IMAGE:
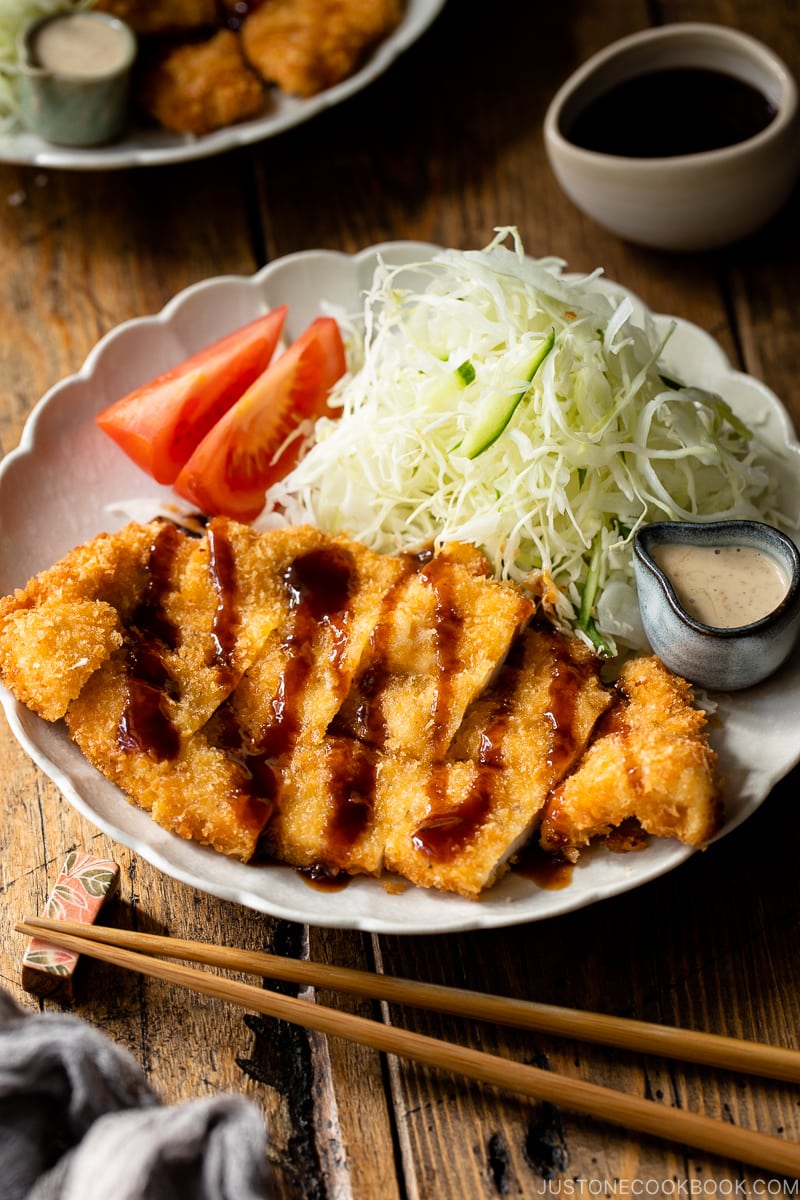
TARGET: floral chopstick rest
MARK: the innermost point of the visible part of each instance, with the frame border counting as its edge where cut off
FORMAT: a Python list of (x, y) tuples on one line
[(84, 886)]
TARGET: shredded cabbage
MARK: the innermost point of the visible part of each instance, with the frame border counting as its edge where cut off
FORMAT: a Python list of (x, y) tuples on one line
[(14, 16), (599, 443)]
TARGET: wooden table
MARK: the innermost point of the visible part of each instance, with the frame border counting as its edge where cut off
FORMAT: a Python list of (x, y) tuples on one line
[(443, 147)]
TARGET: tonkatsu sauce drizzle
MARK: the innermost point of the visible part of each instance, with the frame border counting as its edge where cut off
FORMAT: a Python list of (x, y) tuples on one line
[(443, 834), (448, 625), (566, 682), (319, 586), (324, 878), (352, 776), (547, 871), (222, 570), (258, 778), (145, 723), (369, 720)]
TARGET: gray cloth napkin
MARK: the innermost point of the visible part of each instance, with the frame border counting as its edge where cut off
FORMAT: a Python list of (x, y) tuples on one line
[(78, 1118)]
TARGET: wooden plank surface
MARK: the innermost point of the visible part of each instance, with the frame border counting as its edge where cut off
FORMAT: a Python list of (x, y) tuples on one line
[(444, 147)]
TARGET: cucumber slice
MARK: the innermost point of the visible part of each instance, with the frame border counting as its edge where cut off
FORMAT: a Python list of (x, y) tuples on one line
[(496, 414), (442, 394)]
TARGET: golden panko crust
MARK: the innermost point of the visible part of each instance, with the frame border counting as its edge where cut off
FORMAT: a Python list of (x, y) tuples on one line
[(298, 696)]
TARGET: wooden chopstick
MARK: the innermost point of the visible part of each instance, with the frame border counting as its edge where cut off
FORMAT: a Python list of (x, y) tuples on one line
[(631, 1112), (708, 1049)]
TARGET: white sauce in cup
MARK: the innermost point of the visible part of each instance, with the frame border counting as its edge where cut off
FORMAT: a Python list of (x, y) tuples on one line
[(723, 586), (78, 45)]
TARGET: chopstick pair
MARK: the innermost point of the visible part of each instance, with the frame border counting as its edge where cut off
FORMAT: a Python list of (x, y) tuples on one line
[(129, 949)]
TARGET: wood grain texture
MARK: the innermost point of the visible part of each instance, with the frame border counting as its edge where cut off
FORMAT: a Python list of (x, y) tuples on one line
[(444, 147)]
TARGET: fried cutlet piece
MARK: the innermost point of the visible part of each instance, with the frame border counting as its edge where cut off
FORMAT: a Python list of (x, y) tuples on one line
[(305, 46), (197, 87), (189, 787), (277, 719), (295, 688), (206, 610), (456, 824), (152, 726), (69, 619), (151, 580), (228, 598), (444, 630), (333, 801), (453, 822), (203, 677), (162, 16), (329, 809), (652, 764)]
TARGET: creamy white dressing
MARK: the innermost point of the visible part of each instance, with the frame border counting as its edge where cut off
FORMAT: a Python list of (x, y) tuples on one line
[(79, 45), (723, 586)]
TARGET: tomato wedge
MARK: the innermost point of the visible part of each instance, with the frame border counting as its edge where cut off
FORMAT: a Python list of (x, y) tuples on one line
[(247, 449), (160, 424)]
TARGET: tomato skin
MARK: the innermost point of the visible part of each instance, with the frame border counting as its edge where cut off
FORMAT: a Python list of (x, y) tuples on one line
[(238, 459), (160, 424)]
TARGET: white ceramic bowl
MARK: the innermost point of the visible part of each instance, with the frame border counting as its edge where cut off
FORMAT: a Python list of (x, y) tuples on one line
[(695, 201)]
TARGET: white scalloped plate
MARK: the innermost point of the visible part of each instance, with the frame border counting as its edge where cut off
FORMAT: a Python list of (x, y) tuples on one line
[(148, 146), (54, 493)]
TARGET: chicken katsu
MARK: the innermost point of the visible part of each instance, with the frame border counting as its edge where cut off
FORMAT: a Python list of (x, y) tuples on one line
[(651, 766), (295, 696)]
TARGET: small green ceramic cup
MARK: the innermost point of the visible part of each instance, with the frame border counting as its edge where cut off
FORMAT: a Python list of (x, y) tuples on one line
[(74, 77)]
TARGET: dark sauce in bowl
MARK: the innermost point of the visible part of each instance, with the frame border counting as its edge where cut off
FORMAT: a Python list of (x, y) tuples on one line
[(669, 112)]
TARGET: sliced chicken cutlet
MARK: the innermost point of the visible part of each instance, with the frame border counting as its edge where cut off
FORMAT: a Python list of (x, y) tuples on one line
[(335, 591), (333, 799), (297, 694), (651, 763), (328, 810), (443, 632), (148, 719), (456, 824), (201, 611), (189, 787), (451, 823), (304, 46), (58, 629), (277, 720)]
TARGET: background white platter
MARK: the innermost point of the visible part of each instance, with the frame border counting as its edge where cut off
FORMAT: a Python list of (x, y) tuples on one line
[(147, 146)]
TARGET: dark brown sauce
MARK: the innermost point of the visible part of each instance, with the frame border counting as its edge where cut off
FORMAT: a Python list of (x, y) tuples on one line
[(149, 618), (677, 110), (145, 723), (545, 870), (319, 585), (566, 681), (352, 774), (259, 780), (222, 570), (448, 626), (443, 834), (370, 725), (323, 878)]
